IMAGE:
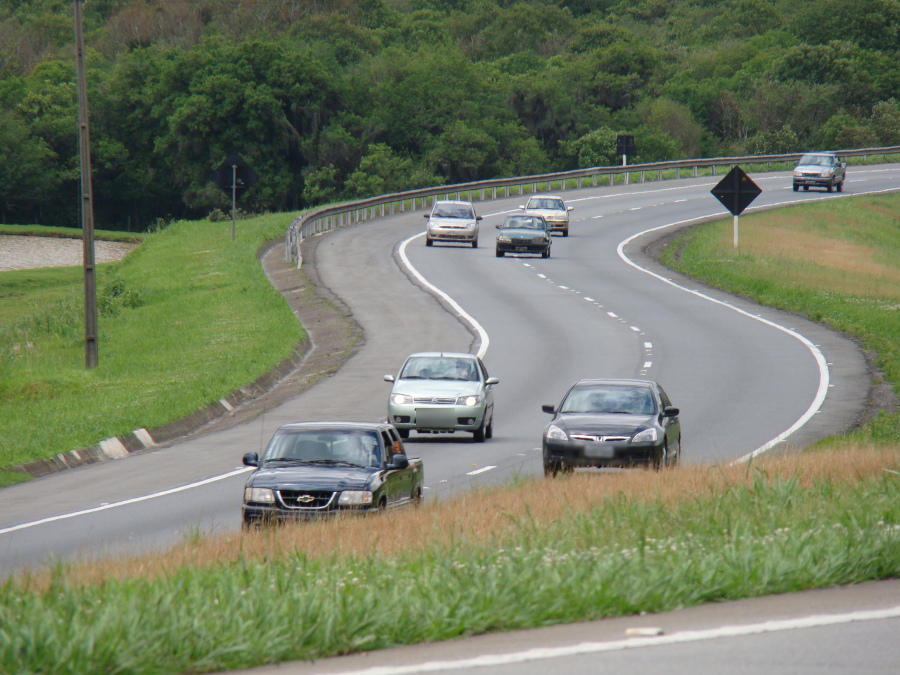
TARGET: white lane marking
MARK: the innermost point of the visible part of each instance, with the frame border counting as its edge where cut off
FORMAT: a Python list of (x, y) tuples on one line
[(565, 288), (648, 364), (595, 217), (583, 648), (817, 355), (648, 345), (588, 299), (126, 502), (542, 276), (481, 470), (613, 315), (635, 329), (482, 333)]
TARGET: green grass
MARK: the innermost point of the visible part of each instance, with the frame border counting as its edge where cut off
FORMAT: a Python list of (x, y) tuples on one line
[(186, 319), (836, 263), (620, 557), (70, 233)]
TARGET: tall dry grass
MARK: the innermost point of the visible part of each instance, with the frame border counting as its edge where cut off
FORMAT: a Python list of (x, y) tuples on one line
[(483, 516)]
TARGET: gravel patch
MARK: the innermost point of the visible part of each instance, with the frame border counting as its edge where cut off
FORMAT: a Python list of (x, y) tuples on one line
[(19, 252)]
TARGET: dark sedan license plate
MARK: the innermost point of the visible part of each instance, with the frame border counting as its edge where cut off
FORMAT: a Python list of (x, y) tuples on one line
[(600, 451), (520, 249)]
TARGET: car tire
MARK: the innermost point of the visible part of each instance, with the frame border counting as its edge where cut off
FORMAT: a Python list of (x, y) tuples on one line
[(796, 187), (500, 254), (475, 244), (806, 188), (545, 254), (551, 469), (478, 435), (566, 232), (489, 431), (830, 187), (428, 241), (662, 462), (403, 433), (840, 186)]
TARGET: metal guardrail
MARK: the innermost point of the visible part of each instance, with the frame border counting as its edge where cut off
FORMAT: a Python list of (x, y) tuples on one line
[(333, 217)]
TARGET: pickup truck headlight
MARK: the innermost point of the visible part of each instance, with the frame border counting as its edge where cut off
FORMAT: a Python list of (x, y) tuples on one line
[(503, 239), (645, 435), (259, 495), (355, 498), (554, 433), (401, 399), (468, 401)]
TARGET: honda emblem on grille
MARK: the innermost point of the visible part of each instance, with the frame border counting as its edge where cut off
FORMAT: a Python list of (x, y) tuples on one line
[(305, 499)]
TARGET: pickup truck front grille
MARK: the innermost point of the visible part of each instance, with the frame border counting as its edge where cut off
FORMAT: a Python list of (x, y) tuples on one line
[(305, 499)]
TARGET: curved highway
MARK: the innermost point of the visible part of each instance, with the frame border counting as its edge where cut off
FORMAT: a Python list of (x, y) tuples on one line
[(746, 378)]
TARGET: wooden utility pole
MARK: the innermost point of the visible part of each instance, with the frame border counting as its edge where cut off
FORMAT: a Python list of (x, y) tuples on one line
[(87, 201)]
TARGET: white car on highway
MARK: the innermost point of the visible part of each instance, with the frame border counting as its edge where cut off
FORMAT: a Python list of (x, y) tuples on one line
[(552, 209)]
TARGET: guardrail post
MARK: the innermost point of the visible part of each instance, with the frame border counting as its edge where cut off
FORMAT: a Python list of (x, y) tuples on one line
[(695, 170), (642, 176), (595, 179)]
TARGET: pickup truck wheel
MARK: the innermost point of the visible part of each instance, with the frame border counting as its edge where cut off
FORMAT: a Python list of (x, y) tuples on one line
[(796, 187), (428, 241), (566, 232), (840, 186), (417, 497), (830, 187), (806, 188), (500, 253)]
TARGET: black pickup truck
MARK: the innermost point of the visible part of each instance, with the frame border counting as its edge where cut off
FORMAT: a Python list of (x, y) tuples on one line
[(318, 469)]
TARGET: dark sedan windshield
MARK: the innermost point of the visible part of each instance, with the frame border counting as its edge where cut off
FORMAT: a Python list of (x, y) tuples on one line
[(523, 222), (324, 447), (609, 400)]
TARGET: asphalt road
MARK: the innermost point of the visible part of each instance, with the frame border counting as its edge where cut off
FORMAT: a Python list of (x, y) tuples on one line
[(743, 375)]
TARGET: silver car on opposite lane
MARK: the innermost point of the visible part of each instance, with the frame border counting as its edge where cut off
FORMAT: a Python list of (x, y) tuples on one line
[(441, 392)]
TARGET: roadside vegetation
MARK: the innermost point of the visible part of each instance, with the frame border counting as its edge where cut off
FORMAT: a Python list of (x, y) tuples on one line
[(531, 554), (185, 319), (339, 100), (836, 263)]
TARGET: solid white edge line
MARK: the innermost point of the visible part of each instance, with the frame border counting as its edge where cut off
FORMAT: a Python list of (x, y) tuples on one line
[(683, 637), (126, 502), (482, 334), (817, 355)]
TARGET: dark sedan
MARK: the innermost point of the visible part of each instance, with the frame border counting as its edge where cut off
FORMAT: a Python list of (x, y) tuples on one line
[(316, 469), (619, 423), (524, 234)]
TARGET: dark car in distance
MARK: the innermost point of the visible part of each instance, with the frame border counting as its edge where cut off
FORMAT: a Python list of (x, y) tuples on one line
[(317, 469), (612, 423), (524, 234)]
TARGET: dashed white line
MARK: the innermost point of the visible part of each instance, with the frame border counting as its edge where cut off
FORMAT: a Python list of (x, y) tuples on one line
[(481, 470)]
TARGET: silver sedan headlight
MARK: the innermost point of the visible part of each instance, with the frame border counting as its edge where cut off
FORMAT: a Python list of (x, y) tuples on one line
[(355, 498), (468, 401), (554, 433), (259, 495), (401, 399), (503, 239)]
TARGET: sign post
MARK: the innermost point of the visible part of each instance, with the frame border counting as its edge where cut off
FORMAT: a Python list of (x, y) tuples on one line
[(625, 147), (232, 175), (736, 190)]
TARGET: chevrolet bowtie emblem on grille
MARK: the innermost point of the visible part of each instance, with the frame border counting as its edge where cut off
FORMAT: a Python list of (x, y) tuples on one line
[(305, 499)]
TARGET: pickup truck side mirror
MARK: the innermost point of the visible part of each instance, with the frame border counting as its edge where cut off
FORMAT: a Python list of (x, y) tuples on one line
[(388, 378), (479, 218), (251, 459), (399, 462), (426, 215), (570, 208)]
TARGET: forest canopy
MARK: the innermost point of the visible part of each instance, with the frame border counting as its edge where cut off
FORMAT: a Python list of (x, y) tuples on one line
[(343, 99)]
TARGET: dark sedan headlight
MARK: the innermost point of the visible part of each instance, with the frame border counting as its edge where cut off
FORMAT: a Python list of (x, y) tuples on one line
[(259, 495), (469, 401), (401, 399), (554, 433), (355, 498), (503, 239), (645, 436)]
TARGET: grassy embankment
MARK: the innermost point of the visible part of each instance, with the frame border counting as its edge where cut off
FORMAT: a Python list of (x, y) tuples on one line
[(185, 319), (533, 553)]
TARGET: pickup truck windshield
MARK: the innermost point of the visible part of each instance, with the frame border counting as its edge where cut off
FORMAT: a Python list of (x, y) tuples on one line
[(359, 449)]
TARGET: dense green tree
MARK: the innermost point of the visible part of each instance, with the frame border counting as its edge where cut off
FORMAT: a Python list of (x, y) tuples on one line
[(27, 172)]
